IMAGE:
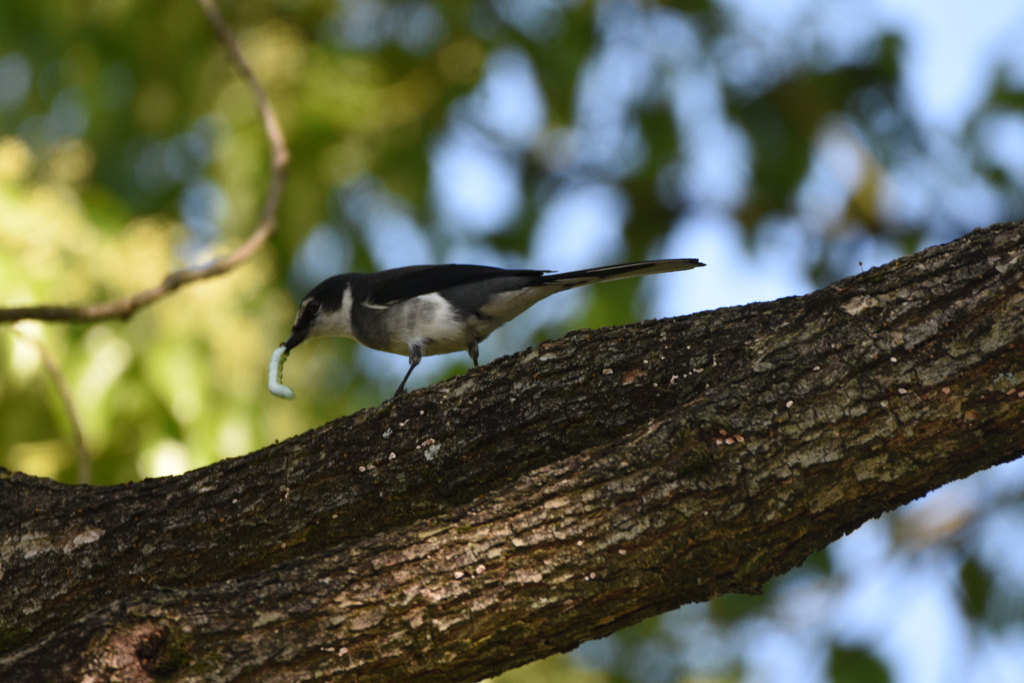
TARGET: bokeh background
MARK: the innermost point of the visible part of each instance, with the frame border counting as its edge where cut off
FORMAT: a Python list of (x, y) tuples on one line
[(785, 143)]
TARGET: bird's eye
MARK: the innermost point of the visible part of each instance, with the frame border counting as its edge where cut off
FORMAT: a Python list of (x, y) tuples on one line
[(308, 312)]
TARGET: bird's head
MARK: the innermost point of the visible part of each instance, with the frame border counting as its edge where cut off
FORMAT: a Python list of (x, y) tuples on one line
[(325, 312)]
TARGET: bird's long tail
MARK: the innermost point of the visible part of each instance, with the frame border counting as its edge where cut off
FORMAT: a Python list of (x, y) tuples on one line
[(578, 278)]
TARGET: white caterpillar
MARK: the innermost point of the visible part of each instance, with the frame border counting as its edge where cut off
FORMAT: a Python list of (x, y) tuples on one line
[(277, 373)]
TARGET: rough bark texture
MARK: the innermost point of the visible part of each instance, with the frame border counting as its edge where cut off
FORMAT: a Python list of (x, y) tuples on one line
[(552, 497)]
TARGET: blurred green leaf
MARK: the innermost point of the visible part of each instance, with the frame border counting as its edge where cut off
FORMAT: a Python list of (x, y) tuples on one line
[(856, 666), (819, 561), (732, 607), (977, 586)]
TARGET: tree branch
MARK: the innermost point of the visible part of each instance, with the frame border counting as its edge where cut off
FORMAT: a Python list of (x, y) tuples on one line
[(265, 227), (551, 497)]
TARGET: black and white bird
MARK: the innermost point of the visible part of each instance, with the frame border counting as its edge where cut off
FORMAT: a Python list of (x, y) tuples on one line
[(428, 310)]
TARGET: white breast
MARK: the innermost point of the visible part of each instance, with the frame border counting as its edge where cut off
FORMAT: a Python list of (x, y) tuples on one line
[(427, 320)]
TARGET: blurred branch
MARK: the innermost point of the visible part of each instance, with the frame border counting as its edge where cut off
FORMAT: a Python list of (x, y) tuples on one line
[(265, 228), (64, 393)]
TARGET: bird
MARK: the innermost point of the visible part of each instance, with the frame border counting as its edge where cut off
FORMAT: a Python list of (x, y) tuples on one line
[(419, 311)]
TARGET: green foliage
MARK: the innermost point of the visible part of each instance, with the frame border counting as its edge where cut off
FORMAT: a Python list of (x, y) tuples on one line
[(977, 586), (856, 666), (557, 669), (732, 607), (818, 562)]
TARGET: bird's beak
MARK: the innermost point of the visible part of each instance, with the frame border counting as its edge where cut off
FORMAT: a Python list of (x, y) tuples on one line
[(296, 338)]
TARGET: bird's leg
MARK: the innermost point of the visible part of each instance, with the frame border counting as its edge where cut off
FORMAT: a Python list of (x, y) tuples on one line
[(474, 353), (415, 356)]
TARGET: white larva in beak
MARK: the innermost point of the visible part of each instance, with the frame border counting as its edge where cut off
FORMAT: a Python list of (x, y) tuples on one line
[(277, 373)]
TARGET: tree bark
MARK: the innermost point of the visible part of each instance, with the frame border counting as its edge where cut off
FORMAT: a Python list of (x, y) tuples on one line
[(552, 497)]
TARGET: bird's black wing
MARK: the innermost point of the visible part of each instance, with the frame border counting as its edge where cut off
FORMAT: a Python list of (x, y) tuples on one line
[(404, 283)]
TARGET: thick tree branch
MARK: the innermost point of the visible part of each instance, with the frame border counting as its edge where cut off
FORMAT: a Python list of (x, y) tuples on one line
[(265, 226), (552, 497)]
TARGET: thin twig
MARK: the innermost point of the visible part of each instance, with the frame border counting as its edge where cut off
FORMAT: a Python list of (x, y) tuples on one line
[(64, 393), (265, 228)]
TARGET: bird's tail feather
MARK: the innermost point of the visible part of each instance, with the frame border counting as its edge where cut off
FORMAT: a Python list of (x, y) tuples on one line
[(578, 278)]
